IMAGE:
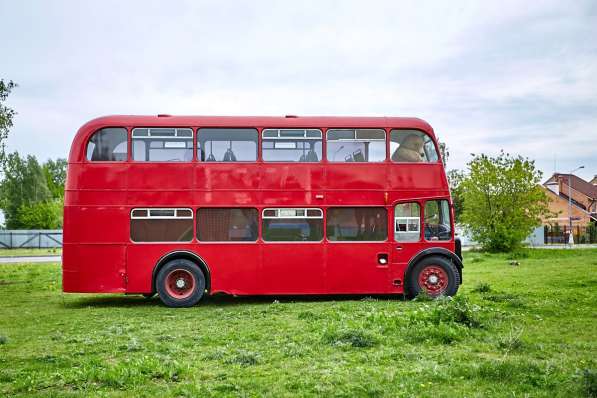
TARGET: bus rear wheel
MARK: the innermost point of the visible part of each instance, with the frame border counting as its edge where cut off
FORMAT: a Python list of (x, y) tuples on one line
[(436, 275), (180, 283)]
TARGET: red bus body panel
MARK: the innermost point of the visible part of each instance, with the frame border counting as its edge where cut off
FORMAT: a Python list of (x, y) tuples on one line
[(99, 256)]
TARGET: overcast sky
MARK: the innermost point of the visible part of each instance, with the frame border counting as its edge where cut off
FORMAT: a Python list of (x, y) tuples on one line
[(512, 75)]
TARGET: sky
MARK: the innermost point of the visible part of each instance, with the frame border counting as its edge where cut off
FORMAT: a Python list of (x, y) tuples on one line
[(511, 75)]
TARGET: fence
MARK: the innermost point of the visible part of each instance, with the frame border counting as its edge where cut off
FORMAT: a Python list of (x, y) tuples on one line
[(560, 234), (48, 238)]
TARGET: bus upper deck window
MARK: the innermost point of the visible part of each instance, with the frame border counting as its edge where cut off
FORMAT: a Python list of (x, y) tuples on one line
[(412, 146), (291, 145), (108, 145), (227, 145), (162, 144), (356, 145)]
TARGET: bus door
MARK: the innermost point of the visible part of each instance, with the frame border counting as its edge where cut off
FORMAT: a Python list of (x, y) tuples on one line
[(292, 260), (406, 239), (357, 254)]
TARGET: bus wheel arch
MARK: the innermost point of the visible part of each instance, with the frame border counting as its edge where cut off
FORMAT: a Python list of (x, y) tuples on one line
[(182, 254), (440, 271)]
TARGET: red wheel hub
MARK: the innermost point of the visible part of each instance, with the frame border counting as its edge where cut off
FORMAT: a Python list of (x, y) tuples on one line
[(433, 279), (180, 283)]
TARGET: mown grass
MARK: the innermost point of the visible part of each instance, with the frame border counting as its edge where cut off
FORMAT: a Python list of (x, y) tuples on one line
[(513, 330), (30, 252)]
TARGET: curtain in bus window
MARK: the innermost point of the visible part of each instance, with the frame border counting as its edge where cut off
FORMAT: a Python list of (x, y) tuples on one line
[(357, 224), (227, 225)]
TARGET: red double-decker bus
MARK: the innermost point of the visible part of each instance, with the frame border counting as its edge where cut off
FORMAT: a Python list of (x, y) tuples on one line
[(184, 206)]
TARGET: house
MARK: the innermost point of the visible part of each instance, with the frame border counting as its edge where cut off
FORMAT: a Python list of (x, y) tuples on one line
[(583, 199)]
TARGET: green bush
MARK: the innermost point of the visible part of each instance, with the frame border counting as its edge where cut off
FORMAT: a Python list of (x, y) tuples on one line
[(456, 309), (40, 215), (503, 201)]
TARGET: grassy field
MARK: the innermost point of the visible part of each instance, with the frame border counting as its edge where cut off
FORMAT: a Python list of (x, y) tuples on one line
[(513, 331), (30, 252)]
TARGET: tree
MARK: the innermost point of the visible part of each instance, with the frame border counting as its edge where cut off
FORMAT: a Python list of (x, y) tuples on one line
[(40, 215), (444, 152), (55, 172), (455, 178), (6, 113), (503, 200), (24, 184)]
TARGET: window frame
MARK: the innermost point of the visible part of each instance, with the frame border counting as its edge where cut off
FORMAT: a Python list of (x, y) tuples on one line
[(176, 137), (150, 217), (305, 217), (355, 130)]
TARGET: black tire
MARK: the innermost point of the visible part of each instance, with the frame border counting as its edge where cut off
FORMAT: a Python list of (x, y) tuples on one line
[(433, 263), (185, 271)]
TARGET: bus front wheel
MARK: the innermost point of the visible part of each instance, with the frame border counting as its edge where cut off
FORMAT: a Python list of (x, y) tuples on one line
[(436, 275), (180, 283)]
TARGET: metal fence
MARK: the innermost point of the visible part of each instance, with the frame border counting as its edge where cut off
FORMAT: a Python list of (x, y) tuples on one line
[(41, 238), (561, 234)]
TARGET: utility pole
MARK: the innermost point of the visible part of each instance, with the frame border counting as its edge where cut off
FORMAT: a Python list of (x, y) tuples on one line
[(571, 235)]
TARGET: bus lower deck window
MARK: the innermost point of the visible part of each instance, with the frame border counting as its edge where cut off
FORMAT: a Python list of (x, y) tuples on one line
[(292, 225), (227, 224), (357, 224), (161, 225)]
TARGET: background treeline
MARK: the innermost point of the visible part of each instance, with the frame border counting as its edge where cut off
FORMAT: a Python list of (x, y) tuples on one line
[(32, 194)]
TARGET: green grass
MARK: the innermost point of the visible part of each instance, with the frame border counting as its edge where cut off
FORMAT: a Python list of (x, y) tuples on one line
[(30, 252), (525, 330)]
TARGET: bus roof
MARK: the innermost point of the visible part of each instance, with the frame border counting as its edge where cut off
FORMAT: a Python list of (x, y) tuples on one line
[(262, 121)]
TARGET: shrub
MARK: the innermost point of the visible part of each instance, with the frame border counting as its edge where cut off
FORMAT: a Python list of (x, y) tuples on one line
[(456, 310), (503, 201)]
